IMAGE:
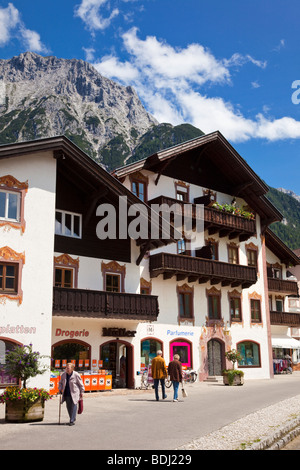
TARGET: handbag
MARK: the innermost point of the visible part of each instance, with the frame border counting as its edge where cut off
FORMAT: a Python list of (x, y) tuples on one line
[(80, 406), (184, 392)]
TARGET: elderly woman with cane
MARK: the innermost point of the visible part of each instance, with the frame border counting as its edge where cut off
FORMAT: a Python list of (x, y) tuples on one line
[(72, 388)]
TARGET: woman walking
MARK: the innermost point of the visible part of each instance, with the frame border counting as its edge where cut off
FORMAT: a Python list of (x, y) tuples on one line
[(175, 373), (72, 389)]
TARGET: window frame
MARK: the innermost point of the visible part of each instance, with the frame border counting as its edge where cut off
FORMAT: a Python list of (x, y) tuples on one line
[(63, 224), (235, 296), (253, 302), (4, 276), (10, 185), (185, 292), (9, 257), (249, 366)]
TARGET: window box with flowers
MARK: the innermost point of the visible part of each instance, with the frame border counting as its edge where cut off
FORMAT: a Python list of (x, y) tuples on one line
[(22, 404), (232, 209)]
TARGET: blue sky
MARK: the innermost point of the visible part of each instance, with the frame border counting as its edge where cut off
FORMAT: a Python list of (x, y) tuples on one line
[(227, 66)]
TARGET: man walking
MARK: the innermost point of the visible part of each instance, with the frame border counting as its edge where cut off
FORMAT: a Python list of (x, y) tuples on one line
[(159, 373)]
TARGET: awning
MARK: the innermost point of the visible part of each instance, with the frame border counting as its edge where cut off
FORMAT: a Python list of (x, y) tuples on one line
[(285, 342)]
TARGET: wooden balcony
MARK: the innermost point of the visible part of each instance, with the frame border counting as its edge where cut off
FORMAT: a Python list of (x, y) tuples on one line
[(283, 286), (201, 270), (100, 304), (215, 221), (285, 318)]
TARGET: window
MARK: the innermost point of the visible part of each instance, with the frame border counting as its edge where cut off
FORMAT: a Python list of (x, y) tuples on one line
[(182, 191), (5, 379), (113, 276), (235, 308), (214, 307), (255, 310), (250, 354), (113, 282), (252, 258), (214, 249), (63, 277), (181, 248), (233, 255), (8, 278), (185, 305), (10, 205), (149, 348), (279, 305), (138, 188), (68, 224)]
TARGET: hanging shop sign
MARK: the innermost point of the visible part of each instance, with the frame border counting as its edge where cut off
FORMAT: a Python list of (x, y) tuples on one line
[(117, 332)]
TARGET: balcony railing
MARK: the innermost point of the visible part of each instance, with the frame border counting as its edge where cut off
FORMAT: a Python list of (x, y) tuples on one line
[(201, 270), (100, 304), (214, 220), (283, 286), (285, 318)]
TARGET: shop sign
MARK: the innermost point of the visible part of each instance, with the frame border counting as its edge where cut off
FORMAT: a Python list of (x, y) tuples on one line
[(117, 332), (18, 330), (180, 333), (71, 334)]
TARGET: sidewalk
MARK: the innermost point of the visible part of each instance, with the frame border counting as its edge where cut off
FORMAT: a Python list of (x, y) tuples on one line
[(259, 415)]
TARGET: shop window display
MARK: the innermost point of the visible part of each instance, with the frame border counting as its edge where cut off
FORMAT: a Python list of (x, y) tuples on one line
[(5, 379), (250, 354), (72, 352)]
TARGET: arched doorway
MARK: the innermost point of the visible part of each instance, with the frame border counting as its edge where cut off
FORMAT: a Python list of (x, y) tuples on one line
[(117, 356), (215, 356)]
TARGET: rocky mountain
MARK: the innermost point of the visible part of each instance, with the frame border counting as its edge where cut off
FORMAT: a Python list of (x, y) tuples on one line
[(47, 96), (290, 193)]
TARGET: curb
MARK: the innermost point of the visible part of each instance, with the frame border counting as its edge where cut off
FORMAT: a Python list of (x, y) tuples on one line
[(280, 438)]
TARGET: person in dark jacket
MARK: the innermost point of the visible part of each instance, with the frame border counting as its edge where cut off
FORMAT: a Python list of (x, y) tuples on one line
[(175, 373)]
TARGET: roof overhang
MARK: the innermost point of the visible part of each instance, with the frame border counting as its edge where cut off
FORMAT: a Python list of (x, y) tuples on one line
[(280, 249), (69, 154), (210, 161)]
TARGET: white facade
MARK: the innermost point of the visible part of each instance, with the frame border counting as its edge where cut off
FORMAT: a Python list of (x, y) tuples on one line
[(29, 317)]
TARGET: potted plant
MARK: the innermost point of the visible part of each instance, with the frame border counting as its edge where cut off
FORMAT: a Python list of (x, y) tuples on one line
[(24, 404), (233, 376)]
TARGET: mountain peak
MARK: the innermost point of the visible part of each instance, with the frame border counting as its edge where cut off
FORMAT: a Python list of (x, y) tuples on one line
[(48, 96)]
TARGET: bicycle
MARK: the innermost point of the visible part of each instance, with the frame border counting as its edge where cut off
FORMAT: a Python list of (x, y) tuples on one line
[(189, 376)]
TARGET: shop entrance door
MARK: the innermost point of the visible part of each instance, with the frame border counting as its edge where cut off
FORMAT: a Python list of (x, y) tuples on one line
[(117, 357), (215, 357)]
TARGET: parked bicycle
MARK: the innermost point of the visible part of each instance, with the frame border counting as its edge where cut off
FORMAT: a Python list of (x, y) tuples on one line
[(187, 376)]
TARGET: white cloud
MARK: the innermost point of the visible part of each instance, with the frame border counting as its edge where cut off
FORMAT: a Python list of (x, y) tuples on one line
[(170, 83), (89, 12), (32, 40), (11, 25), (9, 20)]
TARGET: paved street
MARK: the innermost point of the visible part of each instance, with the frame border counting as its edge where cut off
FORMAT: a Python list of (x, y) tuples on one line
[(133, 420)]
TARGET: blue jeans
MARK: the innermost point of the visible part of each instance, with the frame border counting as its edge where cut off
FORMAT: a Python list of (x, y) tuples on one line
[(156, 384), (175, 387), (72, 409)]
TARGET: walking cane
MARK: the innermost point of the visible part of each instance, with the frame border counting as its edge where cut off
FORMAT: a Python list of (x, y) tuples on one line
[(59, 408)]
